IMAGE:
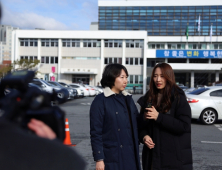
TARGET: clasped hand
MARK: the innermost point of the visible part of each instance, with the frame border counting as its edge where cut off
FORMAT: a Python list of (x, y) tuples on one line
[(151, 113)]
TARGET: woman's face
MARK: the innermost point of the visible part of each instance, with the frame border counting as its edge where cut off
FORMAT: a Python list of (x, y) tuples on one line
[(120, 82), (158, 79)]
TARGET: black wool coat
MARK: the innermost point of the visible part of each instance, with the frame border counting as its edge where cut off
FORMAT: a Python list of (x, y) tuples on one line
[(111, 133), (171, 133)]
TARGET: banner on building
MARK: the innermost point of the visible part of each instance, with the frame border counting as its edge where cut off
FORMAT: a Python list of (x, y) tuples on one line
[(188, 53)]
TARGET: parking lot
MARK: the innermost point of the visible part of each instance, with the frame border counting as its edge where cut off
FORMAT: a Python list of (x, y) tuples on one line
[(206, 139)]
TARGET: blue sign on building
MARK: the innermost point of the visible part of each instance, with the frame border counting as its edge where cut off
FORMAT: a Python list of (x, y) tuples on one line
[(188, 53)]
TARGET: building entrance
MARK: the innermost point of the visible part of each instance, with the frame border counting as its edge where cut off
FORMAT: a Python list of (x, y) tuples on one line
[(81, 79)]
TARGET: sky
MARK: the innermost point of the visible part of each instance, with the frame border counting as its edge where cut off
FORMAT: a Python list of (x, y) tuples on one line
[(50, 14)]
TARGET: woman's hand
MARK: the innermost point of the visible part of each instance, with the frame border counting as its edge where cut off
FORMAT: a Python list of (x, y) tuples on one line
[(151, 114), (100, 165), (148, 142)]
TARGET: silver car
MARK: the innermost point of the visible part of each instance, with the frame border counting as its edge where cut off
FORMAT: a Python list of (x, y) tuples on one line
[(206, 104)]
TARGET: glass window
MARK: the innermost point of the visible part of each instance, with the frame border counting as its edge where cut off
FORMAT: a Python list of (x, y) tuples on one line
[(127, 61), (141, 61), (131, 79), (42, 59), (136, 79), (47, 60), (52, 60), (131, 61), (136, 61), (56, 59)]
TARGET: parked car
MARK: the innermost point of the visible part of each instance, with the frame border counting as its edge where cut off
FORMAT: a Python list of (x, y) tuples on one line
[(79, 86), (99, 89), (49, 87), (189, 90), (92, 91), (220, 84), (96, 89), (206, 104), (78, 91), (72, 92), (183, 87)]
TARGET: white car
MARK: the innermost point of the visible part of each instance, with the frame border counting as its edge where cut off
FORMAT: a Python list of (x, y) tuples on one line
[(92, 91), (206, 104), (79, 86)]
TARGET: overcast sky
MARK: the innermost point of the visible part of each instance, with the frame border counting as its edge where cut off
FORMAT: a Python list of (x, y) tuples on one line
[(50, 14)]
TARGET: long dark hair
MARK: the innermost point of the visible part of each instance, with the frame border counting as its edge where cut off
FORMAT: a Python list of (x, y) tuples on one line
[(169, 90)]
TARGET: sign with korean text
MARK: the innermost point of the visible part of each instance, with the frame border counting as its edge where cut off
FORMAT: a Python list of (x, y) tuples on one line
[(188, 53)]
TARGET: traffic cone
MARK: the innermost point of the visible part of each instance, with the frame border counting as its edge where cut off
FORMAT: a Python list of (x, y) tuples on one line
[(67, 140)]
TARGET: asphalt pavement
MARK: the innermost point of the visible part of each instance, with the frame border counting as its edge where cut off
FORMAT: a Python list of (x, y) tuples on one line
[(206, 139)]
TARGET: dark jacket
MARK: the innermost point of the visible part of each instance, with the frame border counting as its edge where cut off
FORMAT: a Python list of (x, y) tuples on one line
[(20, 150), (112, 139), (171, 133)]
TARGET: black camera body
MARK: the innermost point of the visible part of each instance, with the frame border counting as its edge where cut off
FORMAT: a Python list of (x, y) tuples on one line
[(24, 103)]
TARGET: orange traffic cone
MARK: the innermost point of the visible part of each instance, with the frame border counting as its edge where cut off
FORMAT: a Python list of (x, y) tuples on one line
[(67, 140)]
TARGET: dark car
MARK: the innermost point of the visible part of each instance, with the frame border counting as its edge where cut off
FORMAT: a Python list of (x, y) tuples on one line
[(79, 94), (72, 92)]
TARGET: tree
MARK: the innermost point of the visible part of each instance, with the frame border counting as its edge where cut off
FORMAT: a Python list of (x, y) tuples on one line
[(25, 64), (5, 69)]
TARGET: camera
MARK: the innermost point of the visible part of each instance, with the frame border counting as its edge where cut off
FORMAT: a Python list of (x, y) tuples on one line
[(23, 103)]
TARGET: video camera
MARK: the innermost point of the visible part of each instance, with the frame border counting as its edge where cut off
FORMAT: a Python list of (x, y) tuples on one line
[(24, 103)]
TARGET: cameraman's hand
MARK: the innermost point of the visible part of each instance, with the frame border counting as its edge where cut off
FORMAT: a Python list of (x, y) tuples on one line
[(100, 165), (41, 129)]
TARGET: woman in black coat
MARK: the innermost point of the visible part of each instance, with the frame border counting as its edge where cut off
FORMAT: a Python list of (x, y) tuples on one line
[(113, 123), (165, 123)]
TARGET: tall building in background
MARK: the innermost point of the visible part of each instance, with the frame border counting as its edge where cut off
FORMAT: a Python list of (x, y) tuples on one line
[(6, 42), (162, 17)]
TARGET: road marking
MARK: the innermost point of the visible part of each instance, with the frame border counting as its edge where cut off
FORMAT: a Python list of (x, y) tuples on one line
[(211, 142), (220, 129), (86, 104), (217, 126)]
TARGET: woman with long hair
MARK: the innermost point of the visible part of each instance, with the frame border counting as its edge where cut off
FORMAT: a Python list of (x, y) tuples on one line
[(113, 123), (165, 124)]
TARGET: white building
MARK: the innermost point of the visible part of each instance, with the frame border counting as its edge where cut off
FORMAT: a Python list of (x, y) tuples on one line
[(157, 35), (6, 42)]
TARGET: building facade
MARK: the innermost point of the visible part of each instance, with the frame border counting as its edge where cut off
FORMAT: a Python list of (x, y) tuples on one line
[(137, 34), (185, 34), (6, 42), (80, 56)]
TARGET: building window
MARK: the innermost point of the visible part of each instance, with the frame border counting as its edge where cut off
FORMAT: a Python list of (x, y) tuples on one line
[(134, 61), (30, 58), (156, 46), (153, 62), (113, 43), (197, 46), (135, 79), (49, 42), (29, 42), (112, 60), (91, 43), (49, 60), (71, 43), (134, 43)]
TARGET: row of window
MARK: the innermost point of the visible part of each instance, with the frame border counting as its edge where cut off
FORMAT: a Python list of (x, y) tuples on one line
[(71, 43), (129, 61), (86, 43), (91, 43), (112, 60), (135, 79), (49, 60), (31, 58), (134, 61), (182, 46), (113, 43), (49, 42), (29, 42), (82, 58)]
